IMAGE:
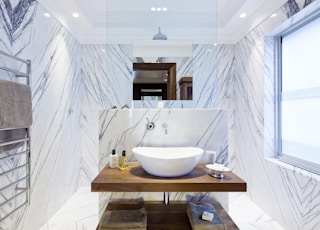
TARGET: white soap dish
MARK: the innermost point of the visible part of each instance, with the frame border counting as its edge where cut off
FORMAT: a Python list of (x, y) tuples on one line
[(217, 170)]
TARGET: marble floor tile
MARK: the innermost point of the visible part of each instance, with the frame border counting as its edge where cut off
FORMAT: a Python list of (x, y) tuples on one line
[(249, 216), (80, 212)]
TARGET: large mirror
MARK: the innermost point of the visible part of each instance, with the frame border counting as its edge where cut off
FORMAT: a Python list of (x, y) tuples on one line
[(154, 81), (162, 78), (166, 80)]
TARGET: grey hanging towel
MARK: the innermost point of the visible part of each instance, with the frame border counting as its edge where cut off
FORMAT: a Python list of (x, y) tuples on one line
[(15, 105)]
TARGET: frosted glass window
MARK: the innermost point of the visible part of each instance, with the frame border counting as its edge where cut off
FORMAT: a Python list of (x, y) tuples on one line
[(300, 95), (300, 58), (301, 129)]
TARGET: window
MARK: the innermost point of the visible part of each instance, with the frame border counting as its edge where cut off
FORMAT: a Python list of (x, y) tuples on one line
[(299, 96)]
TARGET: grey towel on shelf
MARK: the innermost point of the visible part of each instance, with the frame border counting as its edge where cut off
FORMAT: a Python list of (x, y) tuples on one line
[(11, 135), (124, 219), (15, 105), (195, 211)]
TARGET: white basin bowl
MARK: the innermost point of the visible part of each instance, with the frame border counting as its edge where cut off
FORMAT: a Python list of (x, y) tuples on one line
[(168, 161)]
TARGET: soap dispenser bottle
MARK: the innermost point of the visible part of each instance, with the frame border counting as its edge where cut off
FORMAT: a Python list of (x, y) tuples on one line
[(114, 159), (123, 164)]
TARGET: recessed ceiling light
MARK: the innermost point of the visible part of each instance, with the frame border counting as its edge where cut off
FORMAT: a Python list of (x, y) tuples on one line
[(76, 15), (159, 9), (243, 15), (215, 44), (273, 15), (47, 15)]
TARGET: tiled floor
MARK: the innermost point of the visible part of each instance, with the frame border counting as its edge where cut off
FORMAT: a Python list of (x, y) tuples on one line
[(249, 216), (81, 213)]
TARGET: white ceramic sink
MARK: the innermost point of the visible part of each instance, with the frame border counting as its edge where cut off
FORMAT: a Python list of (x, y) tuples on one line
[(168, 161)]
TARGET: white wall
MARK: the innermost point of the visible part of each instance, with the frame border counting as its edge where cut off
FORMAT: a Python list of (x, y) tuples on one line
[(288, 194), (56, 103)]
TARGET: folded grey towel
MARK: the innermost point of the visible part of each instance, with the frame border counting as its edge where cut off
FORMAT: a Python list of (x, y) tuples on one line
[(124, 219), (15, 105), (11, 135), (195, 211)]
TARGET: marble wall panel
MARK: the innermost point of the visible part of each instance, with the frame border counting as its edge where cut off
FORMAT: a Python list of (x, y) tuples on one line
[(213, 87), (283, 191), (56, 99), (126, 129)]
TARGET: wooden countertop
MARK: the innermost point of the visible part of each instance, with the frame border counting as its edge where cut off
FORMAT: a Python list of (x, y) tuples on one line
[(135, 179)]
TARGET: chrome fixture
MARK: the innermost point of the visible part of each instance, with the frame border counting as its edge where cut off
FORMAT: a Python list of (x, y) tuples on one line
[(150, 124), (165, 126), (20, 148), (159, 35), (166, 198)]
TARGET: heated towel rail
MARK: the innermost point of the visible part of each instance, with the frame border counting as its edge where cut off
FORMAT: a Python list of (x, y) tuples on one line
[(19, 186)]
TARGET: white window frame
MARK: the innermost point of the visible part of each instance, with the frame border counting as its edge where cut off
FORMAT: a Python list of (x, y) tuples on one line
[(298, 162)]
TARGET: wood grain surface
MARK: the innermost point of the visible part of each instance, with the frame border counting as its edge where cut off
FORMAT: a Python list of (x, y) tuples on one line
[(135, 179)]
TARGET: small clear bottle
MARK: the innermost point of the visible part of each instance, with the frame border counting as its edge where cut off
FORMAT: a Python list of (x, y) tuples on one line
[(123, 164), (114, 160)]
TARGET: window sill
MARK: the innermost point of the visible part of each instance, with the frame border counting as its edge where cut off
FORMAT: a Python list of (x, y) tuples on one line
[(293, 168)]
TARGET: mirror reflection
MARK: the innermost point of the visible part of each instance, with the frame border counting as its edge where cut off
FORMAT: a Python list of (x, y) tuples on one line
[(162, 79), (154, 81)]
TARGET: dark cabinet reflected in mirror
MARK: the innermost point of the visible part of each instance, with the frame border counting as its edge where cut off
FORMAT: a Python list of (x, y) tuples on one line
[(185, 84), (154, 81), (162, 80)]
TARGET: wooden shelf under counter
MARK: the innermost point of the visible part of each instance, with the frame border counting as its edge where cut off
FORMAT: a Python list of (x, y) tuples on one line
[(169, 217), (135, 179)]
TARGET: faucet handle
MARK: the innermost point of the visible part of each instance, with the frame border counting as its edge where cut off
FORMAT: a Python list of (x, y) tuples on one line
[(164, 125)]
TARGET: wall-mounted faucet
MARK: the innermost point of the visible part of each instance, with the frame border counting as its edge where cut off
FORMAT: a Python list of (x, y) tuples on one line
[(150, 124), (165, 126)]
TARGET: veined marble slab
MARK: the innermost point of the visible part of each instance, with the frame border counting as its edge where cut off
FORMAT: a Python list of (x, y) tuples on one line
[(287, 193), (56, 106)]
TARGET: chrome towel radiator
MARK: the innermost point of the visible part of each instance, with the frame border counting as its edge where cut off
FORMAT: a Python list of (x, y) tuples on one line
[(15, 161)]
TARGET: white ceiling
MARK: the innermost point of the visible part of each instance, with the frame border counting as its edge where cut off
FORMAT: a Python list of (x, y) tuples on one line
[(122, 21)]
